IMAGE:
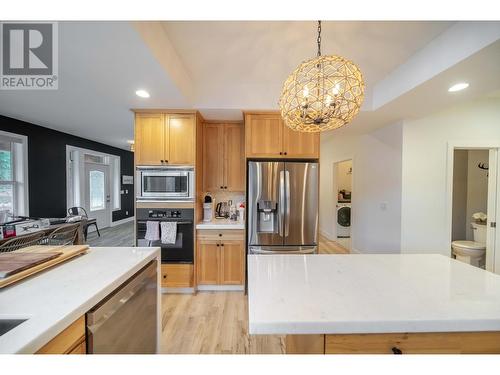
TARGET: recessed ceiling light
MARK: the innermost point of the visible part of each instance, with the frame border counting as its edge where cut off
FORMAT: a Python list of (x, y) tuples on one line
[(458, 87), (142, 93)]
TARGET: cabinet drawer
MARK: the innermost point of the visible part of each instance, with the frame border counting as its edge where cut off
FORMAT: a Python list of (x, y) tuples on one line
[(177, 275), (68, 340), (224, 234), (414, 343)]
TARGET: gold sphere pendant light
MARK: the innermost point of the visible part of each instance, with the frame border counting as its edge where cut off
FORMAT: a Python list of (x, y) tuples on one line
[(322, 93)]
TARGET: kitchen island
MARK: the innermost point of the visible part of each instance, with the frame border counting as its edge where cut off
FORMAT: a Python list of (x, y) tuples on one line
[(360, 303), (54, 303)]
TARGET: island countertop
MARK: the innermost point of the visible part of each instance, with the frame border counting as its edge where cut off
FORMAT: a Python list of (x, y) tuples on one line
[(55, 298), (361, 293)]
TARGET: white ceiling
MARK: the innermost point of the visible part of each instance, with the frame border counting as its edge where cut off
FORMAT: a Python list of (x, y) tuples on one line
[(244, 64), (225, 67)]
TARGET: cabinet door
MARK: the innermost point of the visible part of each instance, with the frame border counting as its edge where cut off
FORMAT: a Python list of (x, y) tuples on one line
[(208, 262), (149, 138), (213, 144), (232, 263), (300, 144), (264, 136), (234, 158), (181, 140)]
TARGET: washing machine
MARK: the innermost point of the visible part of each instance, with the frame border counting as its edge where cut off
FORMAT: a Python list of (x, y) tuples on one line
[(344, 220)]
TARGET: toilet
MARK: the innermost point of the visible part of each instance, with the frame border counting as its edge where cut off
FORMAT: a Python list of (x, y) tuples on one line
[(472, 252)]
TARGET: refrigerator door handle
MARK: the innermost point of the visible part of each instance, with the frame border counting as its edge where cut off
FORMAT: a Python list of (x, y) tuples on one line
[(287, 204), (281, 203)]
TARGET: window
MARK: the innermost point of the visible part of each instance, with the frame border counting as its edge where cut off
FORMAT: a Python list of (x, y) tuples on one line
[(13, 174), (97, 191)]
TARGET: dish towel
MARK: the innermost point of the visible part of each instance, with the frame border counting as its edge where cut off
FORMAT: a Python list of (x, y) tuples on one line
[(168, 232), (152, 231)]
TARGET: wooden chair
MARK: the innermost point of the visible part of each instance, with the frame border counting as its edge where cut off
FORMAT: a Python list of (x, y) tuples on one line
[(80, 211), (24, 240), (64, 235)]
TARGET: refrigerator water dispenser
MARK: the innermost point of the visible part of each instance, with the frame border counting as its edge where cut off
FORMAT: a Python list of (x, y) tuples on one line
[(267, 216)]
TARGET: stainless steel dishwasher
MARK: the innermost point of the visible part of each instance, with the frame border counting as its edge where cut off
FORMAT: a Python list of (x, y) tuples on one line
[(126, 321)]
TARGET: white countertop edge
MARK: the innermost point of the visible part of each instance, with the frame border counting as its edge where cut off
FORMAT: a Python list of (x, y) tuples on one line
[(39, 341), (378, 327)]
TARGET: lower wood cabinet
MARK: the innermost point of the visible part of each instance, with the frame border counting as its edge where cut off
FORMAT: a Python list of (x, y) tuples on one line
[(220, 258), (396, 343), (177, 275), (69, 341)]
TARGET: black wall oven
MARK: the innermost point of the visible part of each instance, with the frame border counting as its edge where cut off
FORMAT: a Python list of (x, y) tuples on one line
[(183, 249)]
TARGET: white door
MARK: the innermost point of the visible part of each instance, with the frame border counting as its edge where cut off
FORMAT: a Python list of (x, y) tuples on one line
[(97, 194)]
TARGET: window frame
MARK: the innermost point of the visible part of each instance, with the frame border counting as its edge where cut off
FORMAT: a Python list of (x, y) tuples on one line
[(19, 164)]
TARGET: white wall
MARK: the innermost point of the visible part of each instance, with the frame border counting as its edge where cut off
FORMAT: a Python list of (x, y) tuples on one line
[(344, 175), (376, 188), (425, 146)]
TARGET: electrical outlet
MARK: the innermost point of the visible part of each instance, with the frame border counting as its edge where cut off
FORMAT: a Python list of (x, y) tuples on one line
[(383, 206)]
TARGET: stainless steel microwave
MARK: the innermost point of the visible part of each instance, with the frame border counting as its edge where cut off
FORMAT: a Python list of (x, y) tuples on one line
[(165, 183)]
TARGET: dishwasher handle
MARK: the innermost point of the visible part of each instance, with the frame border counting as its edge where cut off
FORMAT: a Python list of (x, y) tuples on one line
[(97, 316)]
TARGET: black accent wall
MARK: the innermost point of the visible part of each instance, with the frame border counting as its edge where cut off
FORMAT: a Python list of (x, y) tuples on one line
[(47, 167)]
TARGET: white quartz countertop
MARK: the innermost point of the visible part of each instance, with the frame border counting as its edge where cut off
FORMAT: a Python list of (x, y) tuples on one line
[(220, 224), (55, 298), (360, 293)]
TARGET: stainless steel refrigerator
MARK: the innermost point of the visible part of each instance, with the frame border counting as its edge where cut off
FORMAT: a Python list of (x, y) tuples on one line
[(282, 207)]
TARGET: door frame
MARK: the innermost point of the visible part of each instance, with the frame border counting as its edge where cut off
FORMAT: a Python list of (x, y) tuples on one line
[(493, 235), (336, 194), (75, 179)]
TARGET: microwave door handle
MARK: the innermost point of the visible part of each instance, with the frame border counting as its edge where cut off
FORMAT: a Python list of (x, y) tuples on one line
[(281, 203), (287, 202)]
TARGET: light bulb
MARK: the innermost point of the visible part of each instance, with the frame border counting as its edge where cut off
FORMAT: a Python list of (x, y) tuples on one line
[(305, 92), (336, 89)]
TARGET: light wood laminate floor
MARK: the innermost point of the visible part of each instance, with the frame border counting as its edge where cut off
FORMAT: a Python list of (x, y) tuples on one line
[(121, 235), (217, 322)]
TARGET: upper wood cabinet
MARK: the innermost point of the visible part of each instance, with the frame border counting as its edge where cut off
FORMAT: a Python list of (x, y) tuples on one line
[(149, 141), (223, 157), (164, 139), (268, 137)]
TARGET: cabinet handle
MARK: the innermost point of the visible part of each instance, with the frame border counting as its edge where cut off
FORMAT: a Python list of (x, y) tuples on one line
[(222, 187), (286, 153), (166, 161), (220, 234), (396, 350), (222, 245), (217, 245), (165, 276), (162, 161), (225, 187), (281, 153)]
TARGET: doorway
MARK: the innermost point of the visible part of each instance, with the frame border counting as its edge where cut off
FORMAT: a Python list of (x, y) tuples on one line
[(342, 190), (473, 204), (97, 193)]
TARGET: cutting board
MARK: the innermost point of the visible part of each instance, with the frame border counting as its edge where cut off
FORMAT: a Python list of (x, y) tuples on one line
[(12, 262), (63, 253)]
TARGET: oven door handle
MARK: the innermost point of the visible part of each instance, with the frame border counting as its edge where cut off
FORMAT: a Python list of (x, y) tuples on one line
[(168, 221)]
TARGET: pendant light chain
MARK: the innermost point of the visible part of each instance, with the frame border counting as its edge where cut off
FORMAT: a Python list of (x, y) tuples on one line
[(319, 38)]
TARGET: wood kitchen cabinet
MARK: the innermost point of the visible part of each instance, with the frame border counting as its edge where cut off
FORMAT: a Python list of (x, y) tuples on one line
[(220, 258), (223, 157), (164, 139), (69, 341), (177, 275), (266, 136)]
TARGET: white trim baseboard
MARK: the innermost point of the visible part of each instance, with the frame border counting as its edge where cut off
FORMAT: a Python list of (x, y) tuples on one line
[(327, 235), (220, 288), (122, 221), (177, 290)]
